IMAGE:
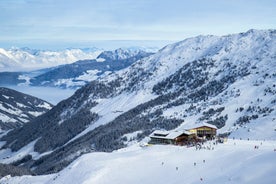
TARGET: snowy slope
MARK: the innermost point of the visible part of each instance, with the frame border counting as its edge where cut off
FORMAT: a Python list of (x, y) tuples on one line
[(120, 54), (233, 162), (17, 108), (16, 59), (227, 81)]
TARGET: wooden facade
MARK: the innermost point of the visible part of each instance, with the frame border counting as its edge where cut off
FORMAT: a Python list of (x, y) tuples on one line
[(197, 133), (204, 130), (165, 137)]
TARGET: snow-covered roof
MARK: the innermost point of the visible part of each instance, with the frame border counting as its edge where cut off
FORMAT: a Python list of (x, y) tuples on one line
[(168, 134), (175, 134), (161, 132), (201, 125)]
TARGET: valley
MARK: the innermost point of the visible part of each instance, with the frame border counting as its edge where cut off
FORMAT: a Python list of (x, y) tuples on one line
[(226, 81)]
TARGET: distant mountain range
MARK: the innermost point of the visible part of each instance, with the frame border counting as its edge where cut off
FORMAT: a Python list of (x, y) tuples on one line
[(227, 81), (17, 108), (26, 59), (78, 73)]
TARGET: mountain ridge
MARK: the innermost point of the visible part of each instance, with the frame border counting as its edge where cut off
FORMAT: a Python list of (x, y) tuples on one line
[(25, 59), (200, 79), (17, 108), (78, 73)]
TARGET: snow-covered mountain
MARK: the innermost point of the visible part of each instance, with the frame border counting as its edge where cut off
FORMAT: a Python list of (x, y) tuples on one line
[(22, 59), (76, 74), (17, 108), (120, 54), (81, 72), (228, 81)]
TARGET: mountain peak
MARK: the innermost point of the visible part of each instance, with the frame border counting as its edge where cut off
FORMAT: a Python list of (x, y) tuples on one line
[(121, 54)]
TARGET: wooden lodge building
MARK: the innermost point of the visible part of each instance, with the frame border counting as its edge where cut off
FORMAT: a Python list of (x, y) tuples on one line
[(197, 132), (204, 130), (167, 137)]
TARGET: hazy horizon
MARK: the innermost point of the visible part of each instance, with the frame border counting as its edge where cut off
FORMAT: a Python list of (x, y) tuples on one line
[(100, 44), (50, 24)]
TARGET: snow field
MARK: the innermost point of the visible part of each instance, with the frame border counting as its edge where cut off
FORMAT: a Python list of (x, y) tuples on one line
[(236, 161)]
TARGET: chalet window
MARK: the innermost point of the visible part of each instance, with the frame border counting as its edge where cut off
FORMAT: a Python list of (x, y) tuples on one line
[(204, 132)]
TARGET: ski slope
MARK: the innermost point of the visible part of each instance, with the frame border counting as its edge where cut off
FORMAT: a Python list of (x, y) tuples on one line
[(236, 161)]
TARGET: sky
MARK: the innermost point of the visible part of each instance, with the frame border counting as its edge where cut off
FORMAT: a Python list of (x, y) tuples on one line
[(85, 23)]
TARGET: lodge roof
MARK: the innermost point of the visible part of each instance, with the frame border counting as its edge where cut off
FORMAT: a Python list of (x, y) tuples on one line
[(167, 134), (198, 125)]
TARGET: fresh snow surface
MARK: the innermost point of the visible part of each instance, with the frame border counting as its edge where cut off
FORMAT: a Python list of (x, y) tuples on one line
[(236, 161), (69, 83), (26, 78), (11, 110), (131, 138), (100, 59), (35, 113), (5, 118), (81, 80), (45, 105), (7, 156), (89, 75), (7, 97), (108, 109)]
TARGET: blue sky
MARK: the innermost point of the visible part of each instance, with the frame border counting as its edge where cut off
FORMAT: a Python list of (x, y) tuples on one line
[(81, 23)]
